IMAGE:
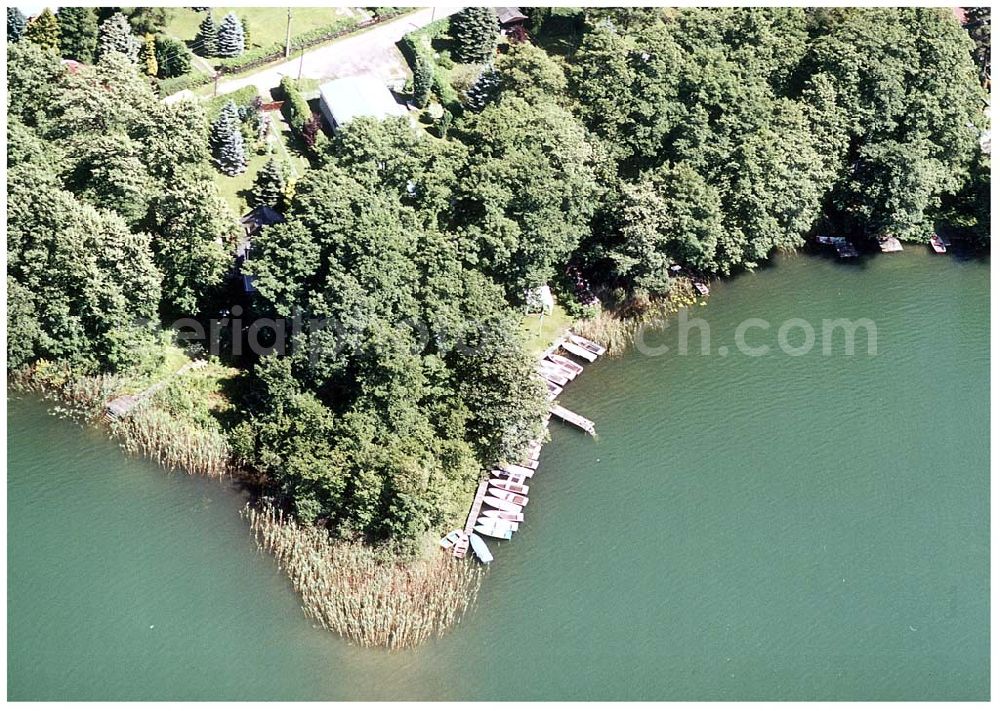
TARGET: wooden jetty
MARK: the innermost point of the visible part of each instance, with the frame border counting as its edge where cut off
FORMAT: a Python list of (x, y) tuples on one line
[(462, 546), (889, 244), (572, 418), (121, 406)]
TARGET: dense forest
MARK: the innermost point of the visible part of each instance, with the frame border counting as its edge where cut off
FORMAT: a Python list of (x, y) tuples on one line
[(608, 143)]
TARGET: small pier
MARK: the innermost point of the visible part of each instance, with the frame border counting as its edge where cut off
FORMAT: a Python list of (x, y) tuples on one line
[(121, 406), (555, 371), (462, 546), (572, 418)]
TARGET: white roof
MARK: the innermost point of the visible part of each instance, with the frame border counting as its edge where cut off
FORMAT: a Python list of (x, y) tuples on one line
[(348, 98)]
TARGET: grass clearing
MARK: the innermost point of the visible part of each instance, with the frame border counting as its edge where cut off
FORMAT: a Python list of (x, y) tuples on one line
[(267, 25), (539, 333), (234, 189)]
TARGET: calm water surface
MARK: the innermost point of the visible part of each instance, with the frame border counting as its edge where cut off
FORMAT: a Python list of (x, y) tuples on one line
[(743, 528)]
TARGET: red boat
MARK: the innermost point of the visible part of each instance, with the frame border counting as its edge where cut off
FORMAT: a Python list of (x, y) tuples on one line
[(508, 496), (937, 244), (511, 486)]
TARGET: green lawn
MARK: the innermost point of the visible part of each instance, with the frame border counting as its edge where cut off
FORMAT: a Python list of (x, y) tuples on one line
[(266, 24), (230, 188), (539, 334)]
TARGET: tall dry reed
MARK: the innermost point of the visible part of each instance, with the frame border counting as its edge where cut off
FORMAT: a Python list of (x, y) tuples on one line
[(352, 590), (615, 327), (174, 444)]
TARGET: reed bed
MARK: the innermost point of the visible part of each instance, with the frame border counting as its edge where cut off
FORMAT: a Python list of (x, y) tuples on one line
[(80, 396), (173, 443), (615, 327), (350, 589)]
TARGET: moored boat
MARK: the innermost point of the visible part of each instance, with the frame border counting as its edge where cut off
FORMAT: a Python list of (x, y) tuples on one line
[(497, 530), (566, 363), (513, 498), (490, 521), (480, 548), (508, 485), (504, 515), (517, 470), (502, 504), (937, 244), (451, 539)]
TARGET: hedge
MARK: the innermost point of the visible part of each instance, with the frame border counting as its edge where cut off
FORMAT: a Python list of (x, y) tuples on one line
[(241, 97), (266, 55), (298, 108), (166, 87)]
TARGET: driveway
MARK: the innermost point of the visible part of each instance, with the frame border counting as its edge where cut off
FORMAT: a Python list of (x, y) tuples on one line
[(371, 51)]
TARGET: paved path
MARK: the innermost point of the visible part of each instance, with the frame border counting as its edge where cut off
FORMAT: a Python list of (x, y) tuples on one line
[(371, 51)]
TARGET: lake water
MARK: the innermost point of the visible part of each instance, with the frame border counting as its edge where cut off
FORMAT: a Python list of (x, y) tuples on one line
[(776, 527)]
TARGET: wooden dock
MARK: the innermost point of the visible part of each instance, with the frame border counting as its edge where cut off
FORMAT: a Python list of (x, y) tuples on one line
[(572, 418), (845, 249), (121, 406), (462, 546)]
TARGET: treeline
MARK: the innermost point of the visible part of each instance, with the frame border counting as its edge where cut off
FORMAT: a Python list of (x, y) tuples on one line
[(113, 219), (644, 138)]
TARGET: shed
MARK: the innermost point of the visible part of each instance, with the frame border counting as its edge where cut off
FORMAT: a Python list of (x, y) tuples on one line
[(510, 16), (344, 100)]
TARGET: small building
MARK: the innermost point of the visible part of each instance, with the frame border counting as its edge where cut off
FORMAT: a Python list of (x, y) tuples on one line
[(344, 100), (252, 222), (510, 17)]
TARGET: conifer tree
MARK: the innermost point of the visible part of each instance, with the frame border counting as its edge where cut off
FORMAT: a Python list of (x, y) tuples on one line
[(16, 24), (485, 90), (44, 30), (232, 157), (476, 31), (227, 141), (225, 123), (423, 80), (230, 41), (115, 35), (269, 186), (78, 33), (208, 35), (148, 58)]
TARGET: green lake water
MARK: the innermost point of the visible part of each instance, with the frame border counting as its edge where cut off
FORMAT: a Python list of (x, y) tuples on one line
[(778, 527)]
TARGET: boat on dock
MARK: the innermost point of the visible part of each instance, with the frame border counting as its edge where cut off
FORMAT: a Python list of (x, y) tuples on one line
[(480, 548), (510, 496), (578, 351), (554, 389), (504, 516), (498, 522), (451, 539), (701, 287), (937, 244), (574, 419), (844, 248), (518, 470), (596, 348), (889, 244), (508, 485), (531, 464), (494, 531), (552, 374), (565, 362), (502, 505)]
